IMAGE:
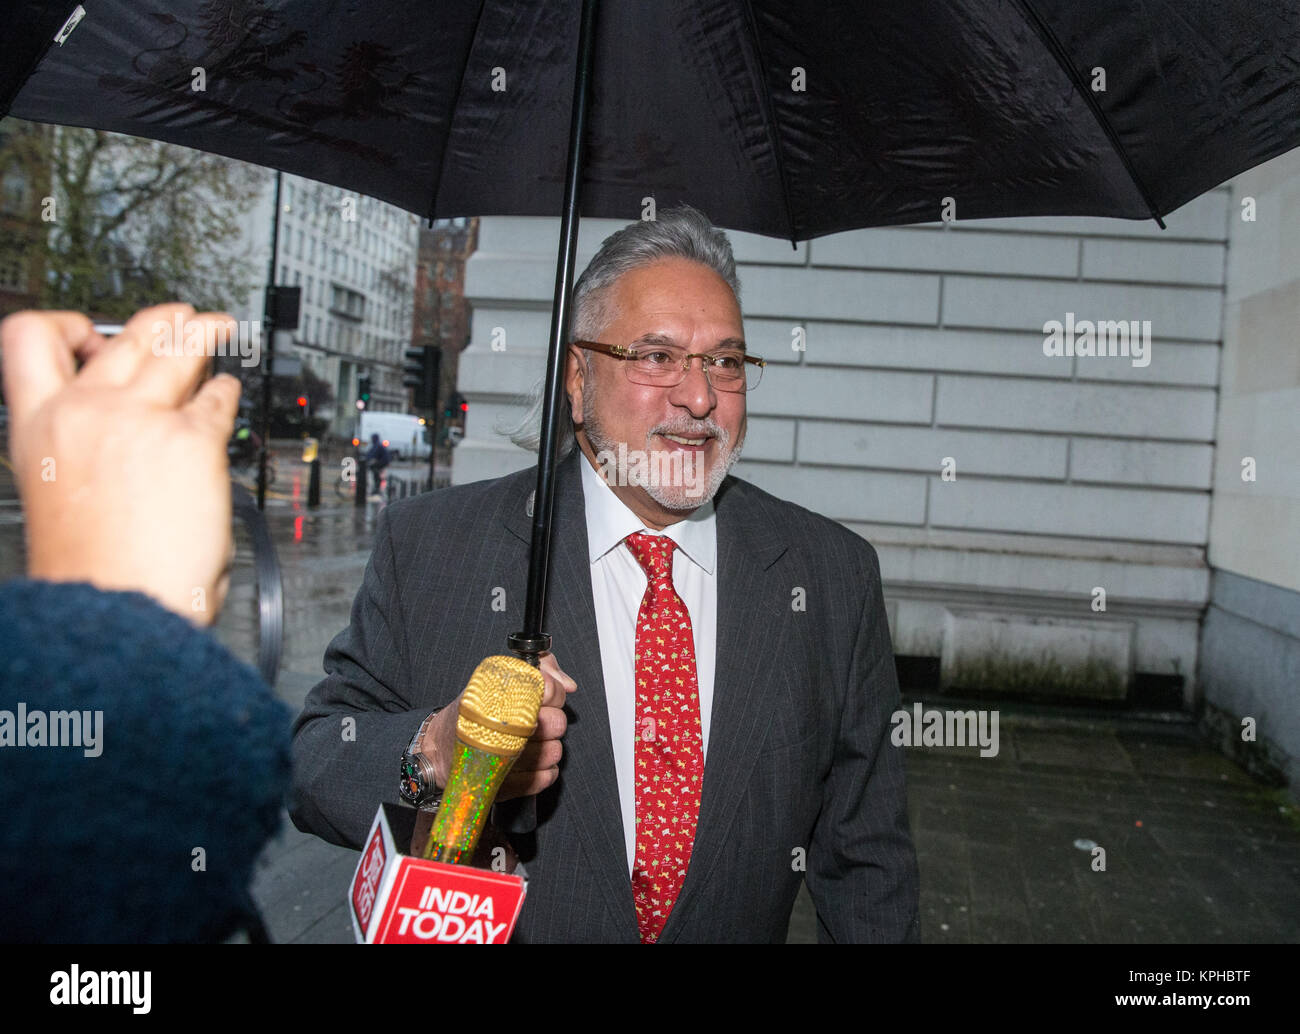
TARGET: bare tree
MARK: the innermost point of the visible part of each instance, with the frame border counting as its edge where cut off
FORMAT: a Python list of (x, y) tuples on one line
[(133, 222)]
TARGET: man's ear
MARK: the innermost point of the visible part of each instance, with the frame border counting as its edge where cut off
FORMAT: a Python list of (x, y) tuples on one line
[(575, 373)]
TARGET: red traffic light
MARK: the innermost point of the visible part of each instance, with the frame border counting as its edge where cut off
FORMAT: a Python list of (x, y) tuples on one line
[(464, 407), (302, 401)]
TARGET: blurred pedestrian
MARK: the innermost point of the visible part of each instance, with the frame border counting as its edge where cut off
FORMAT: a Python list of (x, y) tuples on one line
[(377, 459)]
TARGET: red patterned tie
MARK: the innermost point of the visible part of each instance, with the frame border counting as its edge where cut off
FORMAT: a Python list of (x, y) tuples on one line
[(669, 742)]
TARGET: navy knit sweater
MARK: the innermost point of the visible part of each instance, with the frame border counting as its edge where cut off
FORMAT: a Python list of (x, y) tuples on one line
[(155, 838)]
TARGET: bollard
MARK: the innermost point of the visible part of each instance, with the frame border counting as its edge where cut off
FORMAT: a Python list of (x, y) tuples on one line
[(313, 486), (361, 477)]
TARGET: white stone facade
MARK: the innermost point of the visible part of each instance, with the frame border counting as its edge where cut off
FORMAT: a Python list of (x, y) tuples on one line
[(924, 348)]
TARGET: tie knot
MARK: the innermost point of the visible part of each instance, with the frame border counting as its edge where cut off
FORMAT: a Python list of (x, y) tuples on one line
[(654, 553)]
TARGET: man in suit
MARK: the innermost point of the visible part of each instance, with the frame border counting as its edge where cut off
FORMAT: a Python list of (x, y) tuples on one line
[(720, 728)]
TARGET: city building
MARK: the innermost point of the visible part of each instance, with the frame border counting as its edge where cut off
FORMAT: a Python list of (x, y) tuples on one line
[(22, 188), (354, 259), (442, 315)]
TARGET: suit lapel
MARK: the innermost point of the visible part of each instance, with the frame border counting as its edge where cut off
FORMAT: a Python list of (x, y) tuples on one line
[(744, 689), (587, 776)]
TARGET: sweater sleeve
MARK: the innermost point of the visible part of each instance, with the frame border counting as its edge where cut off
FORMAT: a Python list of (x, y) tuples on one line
[(142, 768)]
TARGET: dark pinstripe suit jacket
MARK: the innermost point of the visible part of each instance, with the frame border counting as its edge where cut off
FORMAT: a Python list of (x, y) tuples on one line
[(800, 770)]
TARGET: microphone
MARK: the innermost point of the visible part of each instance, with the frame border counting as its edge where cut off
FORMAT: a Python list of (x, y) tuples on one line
[(498, 713)]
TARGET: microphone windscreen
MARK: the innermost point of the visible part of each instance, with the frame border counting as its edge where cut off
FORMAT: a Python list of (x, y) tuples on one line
[(498, 711)]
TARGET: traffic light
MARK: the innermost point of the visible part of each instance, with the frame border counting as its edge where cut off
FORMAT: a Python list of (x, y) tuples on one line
[(302, 401), (363, 391), (284, 305), (420, 373)]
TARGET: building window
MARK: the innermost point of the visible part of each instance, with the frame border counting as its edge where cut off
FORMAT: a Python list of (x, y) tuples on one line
[(13, 191), (13, 271)]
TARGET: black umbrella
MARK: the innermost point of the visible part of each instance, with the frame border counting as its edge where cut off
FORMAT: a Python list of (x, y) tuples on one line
[(792, 120)]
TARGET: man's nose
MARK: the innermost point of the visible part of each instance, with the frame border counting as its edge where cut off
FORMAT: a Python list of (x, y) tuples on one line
[(695, 394)]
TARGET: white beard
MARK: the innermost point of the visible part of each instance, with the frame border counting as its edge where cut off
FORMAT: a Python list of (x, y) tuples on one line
[(687, 495)]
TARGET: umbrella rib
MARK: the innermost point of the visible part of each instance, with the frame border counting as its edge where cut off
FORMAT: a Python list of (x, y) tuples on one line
[(451, 113), (769, 121), (1057, 50)]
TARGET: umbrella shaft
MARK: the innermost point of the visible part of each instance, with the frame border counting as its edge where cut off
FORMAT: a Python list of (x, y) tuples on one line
[(528, 642)]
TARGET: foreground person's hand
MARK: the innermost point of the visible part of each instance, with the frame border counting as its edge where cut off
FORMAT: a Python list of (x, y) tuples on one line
[(121, 466)]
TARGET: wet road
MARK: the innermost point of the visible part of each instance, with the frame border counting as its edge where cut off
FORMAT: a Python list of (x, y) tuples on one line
[(322, 553)]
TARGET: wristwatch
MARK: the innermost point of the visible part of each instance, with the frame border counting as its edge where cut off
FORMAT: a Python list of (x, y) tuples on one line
[(417, 783)]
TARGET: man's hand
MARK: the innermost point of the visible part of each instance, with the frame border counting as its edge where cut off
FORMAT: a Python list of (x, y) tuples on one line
[(538, 766), (121, 466)]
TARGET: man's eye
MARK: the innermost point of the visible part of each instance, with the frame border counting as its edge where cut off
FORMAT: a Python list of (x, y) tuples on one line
[(658, 358), (728, 361)]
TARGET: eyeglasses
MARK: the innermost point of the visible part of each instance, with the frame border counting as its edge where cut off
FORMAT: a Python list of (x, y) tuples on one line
[(664, 366)]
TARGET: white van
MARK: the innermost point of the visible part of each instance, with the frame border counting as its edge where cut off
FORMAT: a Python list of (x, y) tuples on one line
[(402, 434)]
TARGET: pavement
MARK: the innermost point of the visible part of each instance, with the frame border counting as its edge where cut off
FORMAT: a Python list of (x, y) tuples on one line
[(1192, 848), (1196, 852)]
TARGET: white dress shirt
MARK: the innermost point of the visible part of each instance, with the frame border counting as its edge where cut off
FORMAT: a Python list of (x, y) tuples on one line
[(617, 585)]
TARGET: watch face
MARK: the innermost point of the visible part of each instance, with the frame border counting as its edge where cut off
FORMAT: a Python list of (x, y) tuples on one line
[(411, 785)]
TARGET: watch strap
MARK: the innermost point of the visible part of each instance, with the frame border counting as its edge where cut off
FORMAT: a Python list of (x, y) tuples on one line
[(414, 746)]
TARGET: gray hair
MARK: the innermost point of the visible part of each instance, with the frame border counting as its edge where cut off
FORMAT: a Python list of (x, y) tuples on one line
[(682, 232)]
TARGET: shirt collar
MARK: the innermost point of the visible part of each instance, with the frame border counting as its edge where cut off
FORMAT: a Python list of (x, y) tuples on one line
[(609, 522)]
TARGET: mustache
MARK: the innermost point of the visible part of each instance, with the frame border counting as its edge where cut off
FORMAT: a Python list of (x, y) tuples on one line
[(687, 428)]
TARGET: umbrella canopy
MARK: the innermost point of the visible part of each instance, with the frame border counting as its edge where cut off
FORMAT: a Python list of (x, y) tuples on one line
[(793, 120), (788, 120)]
